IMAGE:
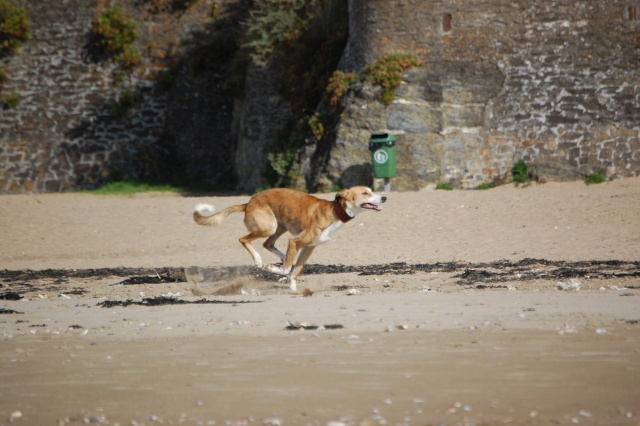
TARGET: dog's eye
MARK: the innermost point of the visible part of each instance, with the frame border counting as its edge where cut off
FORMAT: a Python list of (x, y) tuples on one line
[(365, 193)]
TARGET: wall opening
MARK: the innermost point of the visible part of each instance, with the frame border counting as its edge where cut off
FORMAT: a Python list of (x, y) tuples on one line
[(446, 22)]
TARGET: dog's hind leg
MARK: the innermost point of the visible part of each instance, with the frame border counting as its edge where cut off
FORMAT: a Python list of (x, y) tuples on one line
[(246, 243), (271, 241), (260, 224)]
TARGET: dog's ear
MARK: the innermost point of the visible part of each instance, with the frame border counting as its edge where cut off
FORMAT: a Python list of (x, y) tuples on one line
[(344, 194)]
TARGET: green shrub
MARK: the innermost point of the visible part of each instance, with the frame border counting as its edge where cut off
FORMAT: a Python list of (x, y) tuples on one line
[(317, 125), (15, 27), (267, 27), (280, 162), (521, 173), (307, 37), (594, 178), (311, 52), (115, 32)]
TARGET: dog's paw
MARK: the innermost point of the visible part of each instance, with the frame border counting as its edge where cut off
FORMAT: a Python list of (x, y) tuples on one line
[(276, 269)]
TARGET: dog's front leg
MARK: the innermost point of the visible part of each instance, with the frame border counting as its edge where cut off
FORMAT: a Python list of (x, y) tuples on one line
[(292, 251), (302, 259)]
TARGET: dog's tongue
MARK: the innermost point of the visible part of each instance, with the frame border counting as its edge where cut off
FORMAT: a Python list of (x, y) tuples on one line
[(371, 206)]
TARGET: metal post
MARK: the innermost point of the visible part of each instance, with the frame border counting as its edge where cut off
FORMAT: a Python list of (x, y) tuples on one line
[(387, 185)]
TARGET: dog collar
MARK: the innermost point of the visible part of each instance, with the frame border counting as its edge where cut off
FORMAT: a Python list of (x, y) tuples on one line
[(340, 212)]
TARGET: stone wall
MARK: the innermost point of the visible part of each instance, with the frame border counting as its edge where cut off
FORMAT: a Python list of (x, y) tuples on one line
[(552, 82), (64, 134)]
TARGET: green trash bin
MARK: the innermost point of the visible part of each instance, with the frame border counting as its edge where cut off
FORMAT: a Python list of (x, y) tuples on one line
[(383, 155)]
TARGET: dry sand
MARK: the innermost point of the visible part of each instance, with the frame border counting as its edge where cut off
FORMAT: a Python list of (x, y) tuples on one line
[(468, 330)]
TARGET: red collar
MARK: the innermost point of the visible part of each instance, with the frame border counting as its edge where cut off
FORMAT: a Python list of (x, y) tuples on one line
[(340, 212)]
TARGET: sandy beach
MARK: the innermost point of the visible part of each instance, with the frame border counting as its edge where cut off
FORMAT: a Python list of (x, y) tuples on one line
[(507, 306)]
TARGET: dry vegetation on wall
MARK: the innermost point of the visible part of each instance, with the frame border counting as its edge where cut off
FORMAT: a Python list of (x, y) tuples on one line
[(114, 33), (225, 44), (307, 37), (15, 28), (386, 72)]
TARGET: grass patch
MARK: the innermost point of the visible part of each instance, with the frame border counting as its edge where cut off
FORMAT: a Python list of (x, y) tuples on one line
[(484, 186), (594, 178), (130, 187), (445, 186)]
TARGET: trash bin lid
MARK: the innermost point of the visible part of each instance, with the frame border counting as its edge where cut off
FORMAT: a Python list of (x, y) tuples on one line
[(381, 138)]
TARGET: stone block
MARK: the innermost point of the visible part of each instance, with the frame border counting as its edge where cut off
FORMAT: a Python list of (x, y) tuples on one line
[(413, 118), (462, 116)]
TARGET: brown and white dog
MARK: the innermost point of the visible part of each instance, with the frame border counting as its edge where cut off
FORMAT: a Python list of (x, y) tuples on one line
[(311, 220)]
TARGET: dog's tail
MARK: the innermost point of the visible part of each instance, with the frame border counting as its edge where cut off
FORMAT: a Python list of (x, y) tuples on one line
[(205, 214)]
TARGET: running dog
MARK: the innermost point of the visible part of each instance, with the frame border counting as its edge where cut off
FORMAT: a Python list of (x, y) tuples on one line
[(311, 220)]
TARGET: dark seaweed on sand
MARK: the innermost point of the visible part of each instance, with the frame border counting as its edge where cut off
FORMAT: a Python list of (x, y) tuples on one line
[(164, 300)]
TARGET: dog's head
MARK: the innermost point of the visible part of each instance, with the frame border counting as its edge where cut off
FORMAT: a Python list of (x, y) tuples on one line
[(358, 198)]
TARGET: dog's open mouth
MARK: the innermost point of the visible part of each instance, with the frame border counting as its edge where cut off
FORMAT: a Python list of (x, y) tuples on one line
[(371, 206)]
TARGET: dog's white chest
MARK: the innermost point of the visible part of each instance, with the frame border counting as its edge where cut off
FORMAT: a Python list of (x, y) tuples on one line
[(326, 234)]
